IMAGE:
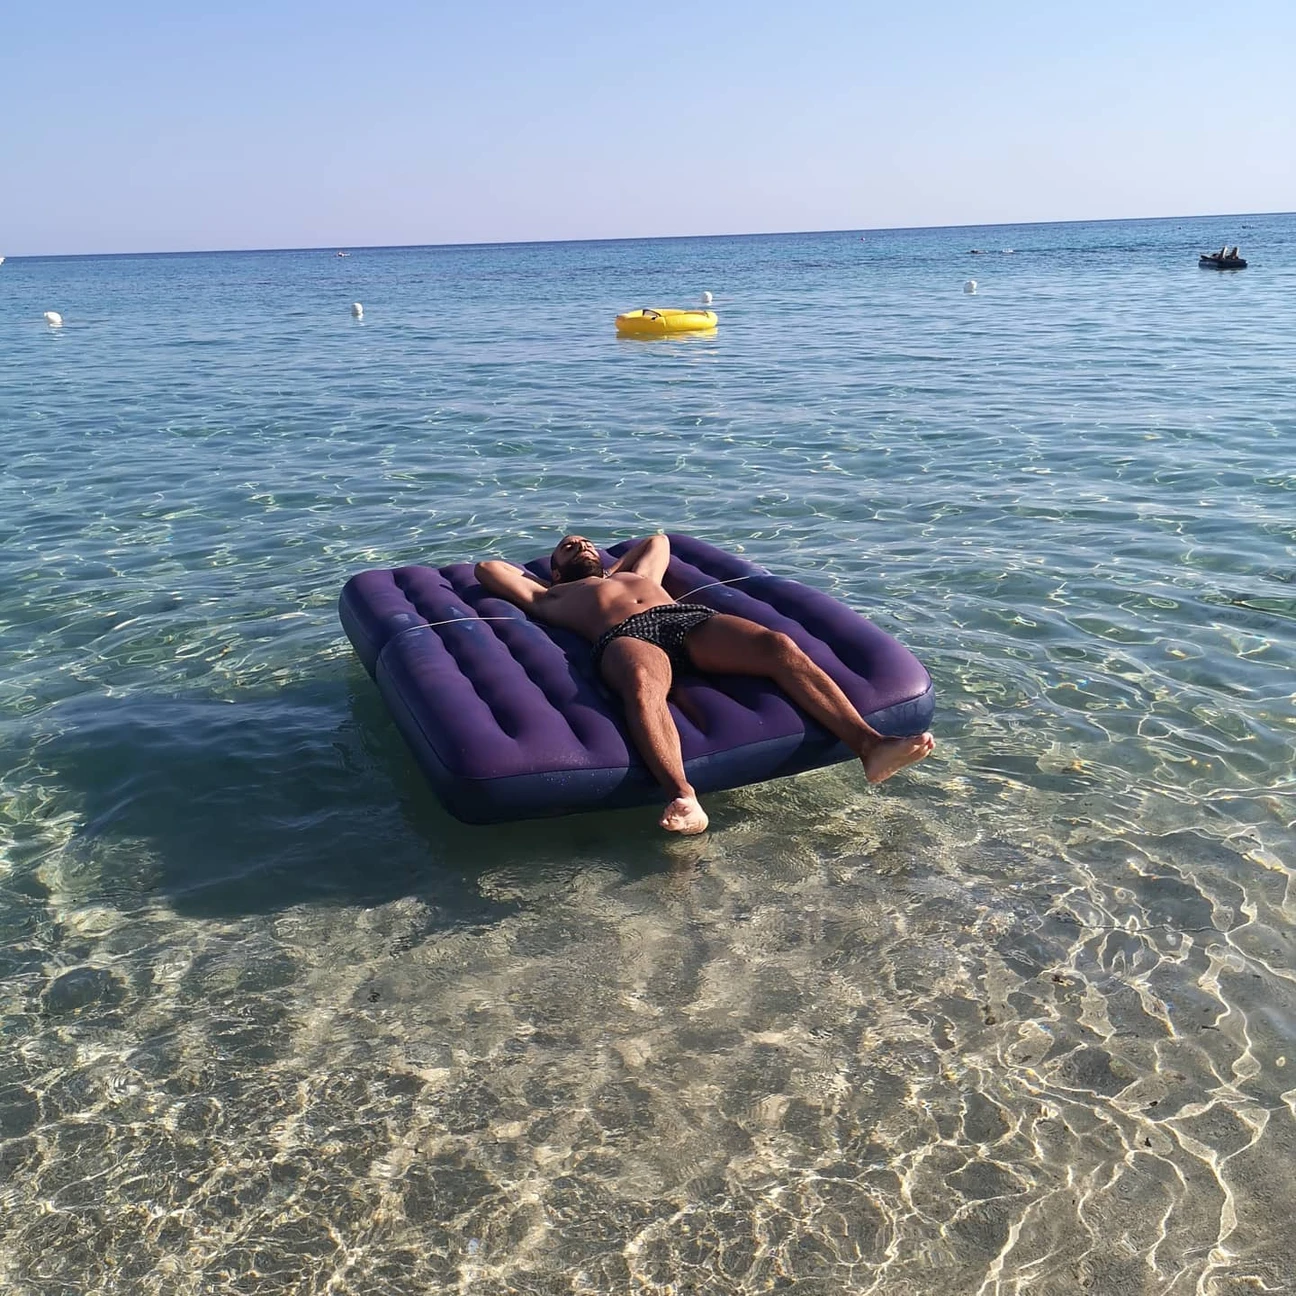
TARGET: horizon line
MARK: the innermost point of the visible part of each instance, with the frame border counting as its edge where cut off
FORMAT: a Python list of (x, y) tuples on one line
[(631, 238)]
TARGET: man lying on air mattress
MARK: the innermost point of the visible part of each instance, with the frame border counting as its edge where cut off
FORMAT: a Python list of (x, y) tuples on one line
[(641, 635)]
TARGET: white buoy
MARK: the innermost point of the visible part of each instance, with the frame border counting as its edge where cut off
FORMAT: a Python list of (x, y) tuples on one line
[(357, 310), (970, 286), (53, 319), (706, 299)]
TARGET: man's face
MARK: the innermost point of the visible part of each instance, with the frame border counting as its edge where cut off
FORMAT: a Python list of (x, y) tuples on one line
[(574, 559)]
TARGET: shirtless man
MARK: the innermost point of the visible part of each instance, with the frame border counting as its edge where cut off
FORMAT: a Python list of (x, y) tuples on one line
[(640, 634)]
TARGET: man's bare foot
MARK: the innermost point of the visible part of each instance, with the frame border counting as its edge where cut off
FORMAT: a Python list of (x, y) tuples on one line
[(684, 815), (891, 754)]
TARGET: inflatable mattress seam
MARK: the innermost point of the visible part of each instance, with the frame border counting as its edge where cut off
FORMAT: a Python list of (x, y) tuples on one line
[(512, 720), (444, 752)]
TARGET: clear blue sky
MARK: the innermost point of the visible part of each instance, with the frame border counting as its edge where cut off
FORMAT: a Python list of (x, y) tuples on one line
[(152, 126)]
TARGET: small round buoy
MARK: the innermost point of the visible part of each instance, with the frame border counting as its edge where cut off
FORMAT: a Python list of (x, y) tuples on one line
[(53, 319), (357, 310), (970, 286), (706, 299)]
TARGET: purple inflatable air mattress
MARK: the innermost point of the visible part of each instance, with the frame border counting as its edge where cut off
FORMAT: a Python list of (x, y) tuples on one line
[(508, 721)]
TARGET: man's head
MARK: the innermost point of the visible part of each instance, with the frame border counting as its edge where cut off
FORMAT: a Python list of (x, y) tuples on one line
[(574, 559)]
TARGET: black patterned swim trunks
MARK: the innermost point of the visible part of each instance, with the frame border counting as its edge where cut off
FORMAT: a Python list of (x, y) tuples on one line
[(666, 627)]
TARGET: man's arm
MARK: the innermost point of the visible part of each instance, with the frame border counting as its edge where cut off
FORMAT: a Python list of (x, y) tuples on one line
[(648, 558), (508, 582)]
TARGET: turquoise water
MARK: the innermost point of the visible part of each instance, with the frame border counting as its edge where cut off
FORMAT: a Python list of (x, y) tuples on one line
[(1022, 1020)]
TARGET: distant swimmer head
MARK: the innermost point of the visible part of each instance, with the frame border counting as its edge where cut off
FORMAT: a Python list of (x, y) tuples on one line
[(574, 559), (356, 309), (53, 319), (706, 299), (970, 286)]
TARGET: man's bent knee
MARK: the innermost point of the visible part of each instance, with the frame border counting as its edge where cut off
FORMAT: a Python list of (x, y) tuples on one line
[(775, 648), (643, 685)]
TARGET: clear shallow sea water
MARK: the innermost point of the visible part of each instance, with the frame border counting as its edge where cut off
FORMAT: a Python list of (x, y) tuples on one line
[(1022, 1020)]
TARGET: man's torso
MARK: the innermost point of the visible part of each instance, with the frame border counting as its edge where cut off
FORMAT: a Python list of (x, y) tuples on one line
[(597, 604)]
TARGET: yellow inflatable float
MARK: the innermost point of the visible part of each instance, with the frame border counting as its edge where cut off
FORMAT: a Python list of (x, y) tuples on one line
[(661, 323)]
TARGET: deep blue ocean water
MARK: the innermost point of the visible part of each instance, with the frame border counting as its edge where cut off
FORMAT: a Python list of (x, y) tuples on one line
[(1018, 1021)]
